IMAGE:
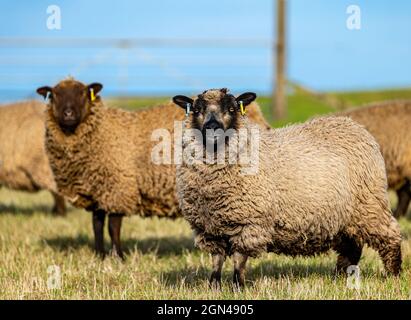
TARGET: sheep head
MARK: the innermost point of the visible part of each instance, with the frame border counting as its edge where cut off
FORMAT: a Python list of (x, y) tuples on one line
[(70, 102), (215, 110)]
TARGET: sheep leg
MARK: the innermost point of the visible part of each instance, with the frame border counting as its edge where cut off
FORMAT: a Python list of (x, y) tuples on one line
[(240, 261), (404, 198), (349, 253), (98, 227), (390, 253), (114, 228), (387, 242), (215, 279), (59, 208)]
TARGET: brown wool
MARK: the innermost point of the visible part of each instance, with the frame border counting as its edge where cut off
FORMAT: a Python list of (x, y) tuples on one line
[(23, 160), (106, 164), (389, 122)]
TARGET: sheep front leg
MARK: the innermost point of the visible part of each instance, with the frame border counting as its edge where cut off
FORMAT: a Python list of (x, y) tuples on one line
[(59, 208), (98, 227), (215, 279), (240, 261), (114, 228)]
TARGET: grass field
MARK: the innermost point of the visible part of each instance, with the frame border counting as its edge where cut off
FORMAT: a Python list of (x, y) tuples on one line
[(161, 260), (300, 105)]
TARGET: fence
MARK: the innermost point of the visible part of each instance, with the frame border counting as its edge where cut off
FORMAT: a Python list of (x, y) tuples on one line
[(141, 66)]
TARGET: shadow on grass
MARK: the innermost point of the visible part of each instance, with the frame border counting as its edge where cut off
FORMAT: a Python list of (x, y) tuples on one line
[(162, 246), (38, 208), (68, 243), (271, 269), (292, 269), (192, 276)]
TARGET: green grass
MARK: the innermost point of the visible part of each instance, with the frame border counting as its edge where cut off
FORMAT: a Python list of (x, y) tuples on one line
[(161, 260), (361, 97), (300, 106)]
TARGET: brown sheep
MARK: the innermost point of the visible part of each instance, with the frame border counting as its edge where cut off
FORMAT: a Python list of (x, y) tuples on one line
[(23, 160), (389, 122), (101, 157), (320, 185)]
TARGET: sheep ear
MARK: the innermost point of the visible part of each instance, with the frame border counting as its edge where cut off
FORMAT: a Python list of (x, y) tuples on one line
[(182, 101), (44, 91), (246, 98), (93, 89)]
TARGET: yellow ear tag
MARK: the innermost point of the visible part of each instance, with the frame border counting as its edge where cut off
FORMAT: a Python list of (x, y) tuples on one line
[(93, 97), (242, 108)]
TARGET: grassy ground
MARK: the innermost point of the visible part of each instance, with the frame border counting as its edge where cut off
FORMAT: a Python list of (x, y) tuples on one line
[(161, 261), (300, 105)]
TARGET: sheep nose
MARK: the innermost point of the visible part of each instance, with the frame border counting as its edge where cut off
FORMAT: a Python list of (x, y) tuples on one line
[(68, 113), (213, 125)]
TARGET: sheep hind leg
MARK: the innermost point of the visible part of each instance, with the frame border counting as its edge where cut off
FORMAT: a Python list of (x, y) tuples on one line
[(404, 198), (390, 252), (114, 228), (59, 208), (387, 242), (215, 279), (240, 261), (349, 254), (98, 228)]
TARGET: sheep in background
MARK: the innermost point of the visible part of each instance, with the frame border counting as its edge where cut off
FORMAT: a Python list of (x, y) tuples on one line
[(101, 157), (389, 122), (23, 161), (320, 185)]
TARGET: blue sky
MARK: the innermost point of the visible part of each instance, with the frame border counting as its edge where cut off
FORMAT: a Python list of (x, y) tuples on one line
[(322, 53)]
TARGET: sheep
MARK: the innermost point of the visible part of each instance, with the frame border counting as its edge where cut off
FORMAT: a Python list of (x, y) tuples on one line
[(23, 161), (101, 157), (389, 123), (320, 185)]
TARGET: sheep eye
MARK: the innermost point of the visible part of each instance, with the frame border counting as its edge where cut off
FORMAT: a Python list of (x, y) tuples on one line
[(231, 109)]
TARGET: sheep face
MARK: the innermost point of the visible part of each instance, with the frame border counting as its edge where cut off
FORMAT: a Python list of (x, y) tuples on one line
[(215, 111), (70, 101)]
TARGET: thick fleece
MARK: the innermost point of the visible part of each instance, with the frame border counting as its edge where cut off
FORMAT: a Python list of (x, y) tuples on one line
[(389, 122), (320, 185), (23, 160), (106, 163)]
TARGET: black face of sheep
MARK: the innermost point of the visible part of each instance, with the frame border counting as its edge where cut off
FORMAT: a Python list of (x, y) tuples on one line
[(215, 111), (71, 101)]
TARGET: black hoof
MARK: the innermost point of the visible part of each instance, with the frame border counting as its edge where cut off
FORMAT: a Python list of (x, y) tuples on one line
[(118, 255), (101, 254)]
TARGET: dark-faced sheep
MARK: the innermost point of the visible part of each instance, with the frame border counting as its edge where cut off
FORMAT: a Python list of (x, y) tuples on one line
[(101, 157), (320, 185), (389, 122), (23, 161)]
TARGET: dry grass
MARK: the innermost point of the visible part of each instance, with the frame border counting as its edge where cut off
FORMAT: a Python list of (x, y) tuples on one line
[(161, 262)]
